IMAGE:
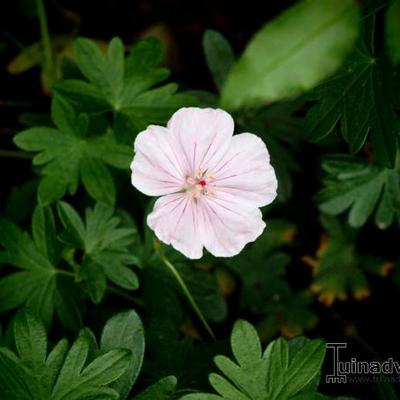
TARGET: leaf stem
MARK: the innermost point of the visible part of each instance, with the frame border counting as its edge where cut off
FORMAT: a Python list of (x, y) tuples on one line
[(66, 273), (48, 61), (123, 294), (14, 154), (186, 291)]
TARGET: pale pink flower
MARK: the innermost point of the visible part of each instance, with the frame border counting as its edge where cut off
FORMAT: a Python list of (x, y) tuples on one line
[(211, 182)]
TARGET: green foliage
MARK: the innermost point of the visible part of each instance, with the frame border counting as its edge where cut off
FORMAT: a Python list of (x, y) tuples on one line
[(37, 282), (71, 255), (204, 289), (164, 389), (219, 56), (61, 374), (281, 131), (283, 371), (107, 247), (392, 31), (265, 292), (338, 268), (125, 330), (68, 155), (43, 280), (313, 36), (123, 86), (356, 185), (356, 97)]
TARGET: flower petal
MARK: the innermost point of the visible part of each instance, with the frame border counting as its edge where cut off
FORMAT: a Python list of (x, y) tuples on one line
[(174, 220), (226, 227), (203, 135), (245, 173), (157, 168)]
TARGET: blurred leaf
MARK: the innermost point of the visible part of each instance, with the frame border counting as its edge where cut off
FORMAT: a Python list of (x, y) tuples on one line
[(392, 31), (337, 267), (219, 56), (59, 374), (277, 374), (280, 130), (265, 291), (188, 360), (123, 85), (355, 96), (36, 284), (67, 156), (203, 286), (21, 201), (125, 330), (164, 389), (354, 184), (288, 314), (204, 98), (32, 55), (108, 247), (314, 36)]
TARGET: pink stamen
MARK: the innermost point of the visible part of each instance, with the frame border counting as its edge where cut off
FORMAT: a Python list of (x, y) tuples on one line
[(202, 183)]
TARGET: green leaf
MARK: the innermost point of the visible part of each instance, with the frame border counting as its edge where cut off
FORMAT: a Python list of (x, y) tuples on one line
[(66, 119), (66, 155), (314, 36), (282, 372), (106, 73), (83, 94), (392, 31), (281, 131), (164, 389), (31, 341), (36, 282), (72, 223), (95, 279), (337, 268), (34, 370), (123, 87), (60, 375), (354, 184), (21, 201), (119, 274), (75, 380), (355, 96), (264, 291), (246, 346), (98, 181), (108, 246), (44, 232), (15, 381), (219, 56), (125, 330), (300, 371), (203, 287), (153, 106)]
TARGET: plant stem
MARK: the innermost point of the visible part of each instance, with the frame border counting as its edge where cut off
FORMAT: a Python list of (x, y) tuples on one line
[(186, 292), (48, 62), (14, 154), (66, 273), (123, 294)]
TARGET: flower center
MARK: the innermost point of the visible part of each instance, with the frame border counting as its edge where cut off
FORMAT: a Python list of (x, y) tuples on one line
[(199, 184)]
